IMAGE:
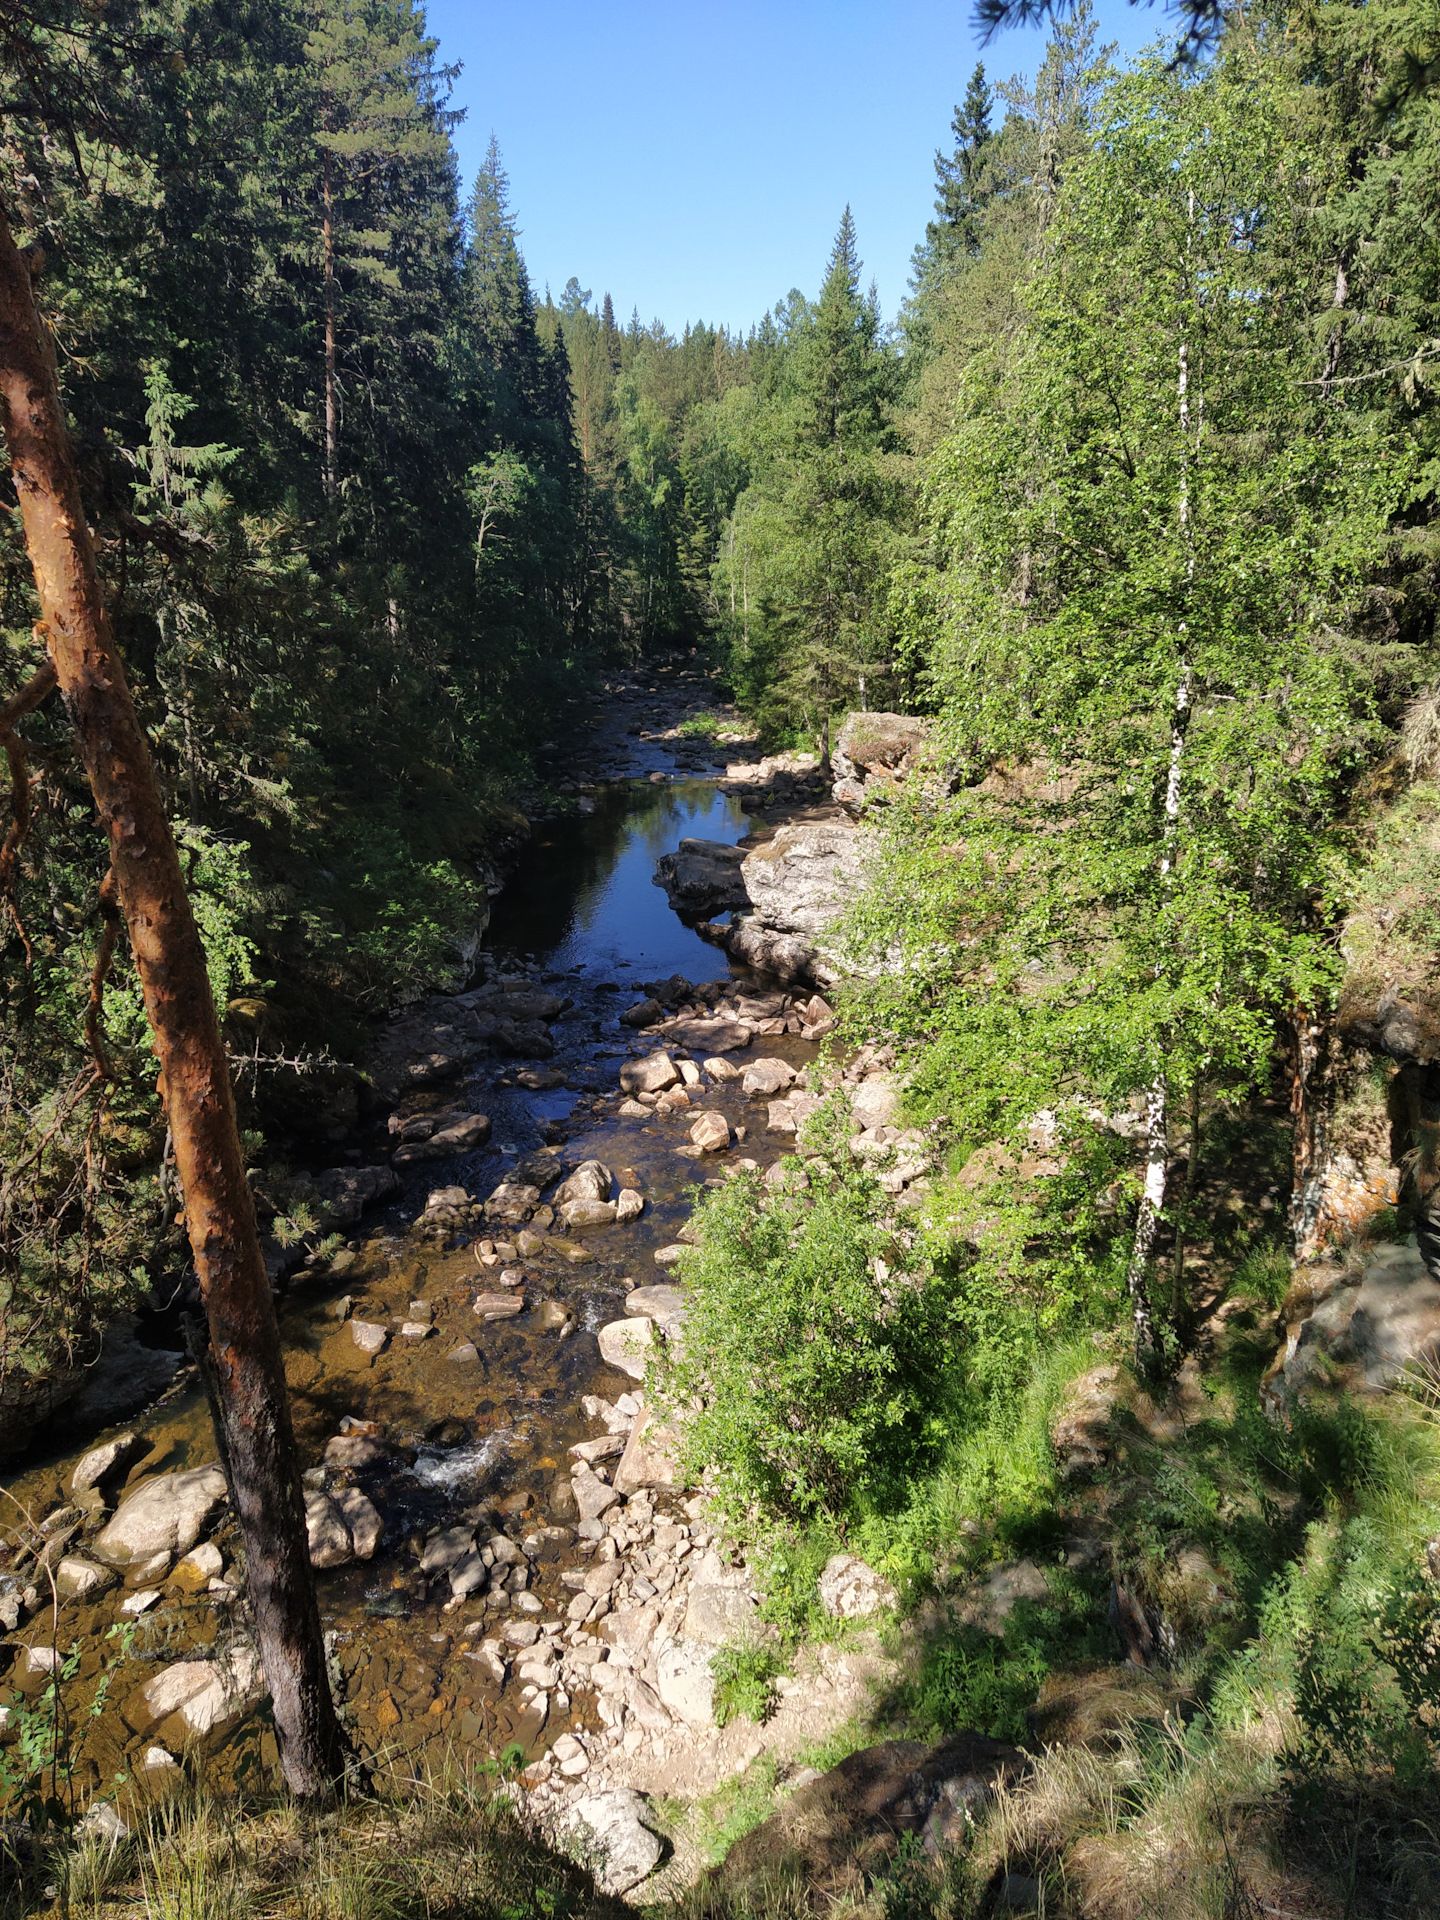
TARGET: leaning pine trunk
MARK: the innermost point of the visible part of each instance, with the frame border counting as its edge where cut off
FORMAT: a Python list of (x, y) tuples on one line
[(194, 1074)]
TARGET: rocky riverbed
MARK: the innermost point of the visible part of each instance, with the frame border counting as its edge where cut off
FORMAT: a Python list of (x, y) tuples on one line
[(505, 1555)]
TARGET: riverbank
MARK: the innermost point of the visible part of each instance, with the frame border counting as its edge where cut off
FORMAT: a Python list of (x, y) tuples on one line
[(460, 1402)]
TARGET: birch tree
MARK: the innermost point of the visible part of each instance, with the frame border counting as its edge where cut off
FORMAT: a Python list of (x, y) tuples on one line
[(1145, 545)]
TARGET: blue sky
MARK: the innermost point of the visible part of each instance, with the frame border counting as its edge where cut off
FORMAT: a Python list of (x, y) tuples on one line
[(695, 159)]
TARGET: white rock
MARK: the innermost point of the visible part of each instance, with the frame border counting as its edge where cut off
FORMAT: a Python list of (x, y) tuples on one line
[(685, 1683), (629, 1204), (134, 1604), (102, 1461), (164, 1515), (416, 1330), (591, 1180), (368, 1336), (79, 1579), (711, 1133), (611, 1823), (327, 1532), (651, 1075), (159, 1760), (851, 1590), (875, 1103), (767, 1077), (102, 1822), (366, 1527), (196, 1569), (625, 1344), (235, 1688)]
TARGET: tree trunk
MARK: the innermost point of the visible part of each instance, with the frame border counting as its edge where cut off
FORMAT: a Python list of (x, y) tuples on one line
[(332, 433), (194, 1074)]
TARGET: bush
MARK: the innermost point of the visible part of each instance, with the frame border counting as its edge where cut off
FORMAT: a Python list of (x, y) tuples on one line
[(745, 1683), (814, 1353)]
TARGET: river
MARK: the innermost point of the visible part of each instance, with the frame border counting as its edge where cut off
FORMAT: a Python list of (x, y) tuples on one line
[(480, 1440)]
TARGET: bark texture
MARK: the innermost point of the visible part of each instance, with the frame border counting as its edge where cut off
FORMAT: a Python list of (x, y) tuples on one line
[(194, 1074)]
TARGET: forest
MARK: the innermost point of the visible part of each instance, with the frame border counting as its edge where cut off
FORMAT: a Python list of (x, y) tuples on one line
[(1134, 508)]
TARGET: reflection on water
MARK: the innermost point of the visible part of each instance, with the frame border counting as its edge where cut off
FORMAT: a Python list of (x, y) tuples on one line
[(585, 893)]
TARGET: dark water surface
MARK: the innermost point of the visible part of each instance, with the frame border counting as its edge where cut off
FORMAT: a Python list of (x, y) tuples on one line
[(585, 896)]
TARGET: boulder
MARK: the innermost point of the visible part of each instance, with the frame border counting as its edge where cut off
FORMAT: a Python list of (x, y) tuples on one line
[(345, 1192), (198, 1568), (715, 1036), (446, 1549), (351, 1451), (211, 1696), (684, 1682), (719, 1069), (862, 1811), (629, 1205), (470, 1130), (593, 1496), (123, 1378), (107, 1462), (611, 1824), (326, 1531), (711, 1133), (644, 1013), (625, 1344), (873, 754), (765, 1078), (651, 1456), (664, 1305), (804, 877), (360, 1515), (703, 877), (652, 1075), (165, 1515), (849, 1589), (512, 1203), (80, 1579), (1383, 1321), (875, 1103), (589, 1213), (499, 1306), (1080, 1429), (591, 1180), (719, 1616), (988, 1603)]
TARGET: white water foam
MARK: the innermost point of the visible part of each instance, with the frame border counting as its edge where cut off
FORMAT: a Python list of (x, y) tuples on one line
[(463, 1467)]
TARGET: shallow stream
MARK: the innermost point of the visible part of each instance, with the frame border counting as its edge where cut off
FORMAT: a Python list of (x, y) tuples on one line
[(485, 1438)]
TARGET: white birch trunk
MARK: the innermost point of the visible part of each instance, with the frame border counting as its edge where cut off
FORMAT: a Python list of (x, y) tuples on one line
[(1157, 1156)]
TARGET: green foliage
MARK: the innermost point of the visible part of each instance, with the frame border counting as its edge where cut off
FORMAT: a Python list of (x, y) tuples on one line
[(972, 1681), (815, 1347), (745, 1682)]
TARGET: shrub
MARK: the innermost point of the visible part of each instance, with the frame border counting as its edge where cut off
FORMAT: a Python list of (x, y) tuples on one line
[(814, 1353), (745, 1682)]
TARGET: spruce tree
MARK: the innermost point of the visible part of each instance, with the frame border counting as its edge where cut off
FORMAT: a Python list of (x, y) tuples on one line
[(959, 179)]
